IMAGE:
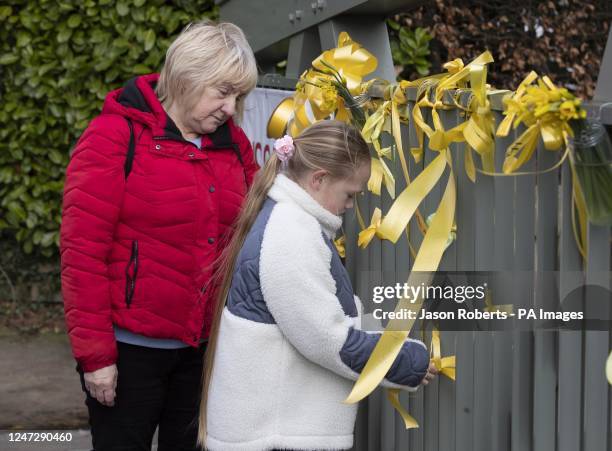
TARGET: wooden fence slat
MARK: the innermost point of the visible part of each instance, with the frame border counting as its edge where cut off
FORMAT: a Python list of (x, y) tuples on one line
[(522, 357), (402, 270), (483, 346), (596, 348), (502, 293), (464, 346), (545, 360), (570, 342), (416, 400), (446, 387)]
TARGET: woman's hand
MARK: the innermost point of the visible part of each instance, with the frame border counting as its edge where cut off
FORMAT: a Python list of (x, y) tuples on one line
[(431, 373), (101, 384)]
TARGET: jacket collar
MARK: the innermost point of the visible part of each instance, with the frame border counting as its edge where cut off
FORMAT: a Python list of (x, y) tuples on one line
[(286, 190)]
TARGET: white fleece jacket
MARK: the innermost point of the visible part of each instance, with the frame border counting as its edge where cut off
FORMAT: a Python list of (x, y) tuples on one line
[(282, 385)]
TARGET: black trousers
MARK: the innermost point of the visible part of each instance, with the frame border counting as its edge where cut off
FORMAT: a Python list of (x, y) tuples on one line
[(155, 387)]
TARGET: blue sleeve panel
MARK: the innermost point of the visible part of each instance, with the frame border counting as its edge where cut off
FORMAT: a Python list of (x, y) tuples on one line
[(409, 367)]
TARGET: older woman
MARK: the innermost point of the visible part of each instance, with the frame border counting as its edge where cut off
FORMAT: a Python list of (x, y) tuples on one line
[(152, 190)]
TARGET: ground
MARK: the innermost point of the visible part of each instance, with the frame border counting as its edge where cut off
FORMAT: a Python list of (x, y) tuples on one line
[(40, 390), (39, 386)]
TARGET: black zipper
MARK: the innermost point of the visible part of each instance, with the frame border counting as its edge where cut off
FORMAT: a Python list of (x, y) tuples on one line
[(130, 279)]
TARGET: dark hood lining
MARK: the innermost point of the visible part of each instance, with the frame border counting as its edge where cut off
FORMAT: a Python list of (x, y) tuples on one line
[(131, 97)]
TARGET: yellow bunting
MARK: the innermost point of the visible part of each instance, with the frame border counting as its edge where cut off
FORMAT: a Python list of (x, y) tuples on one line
[(340, 244), (445, 365)]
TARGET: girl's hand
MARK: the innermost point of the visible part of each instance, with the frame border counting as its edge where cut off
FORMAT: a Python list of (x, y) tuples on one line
[(431, 373)]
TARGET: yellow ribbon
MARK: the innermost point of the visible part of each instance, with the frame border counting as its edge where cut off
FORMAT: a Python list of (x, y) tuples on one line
[(315, 89), (407, 202), (380, 172), (279, 118), (366, 235), (350, 59), (545, 110), (397, 330), (445, 365), (393, 397)]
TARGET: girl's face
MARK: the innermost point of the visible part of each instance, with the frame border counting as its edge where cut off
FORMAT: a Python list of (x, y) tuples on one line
[(337, 195)]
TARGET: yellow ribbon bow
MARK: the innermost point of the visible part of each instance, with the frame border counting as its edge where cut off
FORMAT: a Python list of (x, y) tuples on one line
[(445, 365), (316, 92), (366, 235), (349, 59)]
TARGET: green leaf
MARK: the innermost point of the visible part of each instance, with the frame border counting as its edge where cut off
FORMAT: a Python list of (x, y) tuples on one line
[(122, 9), (23, 38), (8, 58), (393, 24), (64, 35), (149, 40), (47, 239), (139, 3), (141, 69), (422, 70), (5, 11), (74, 21), (55, 156), (17, 210), (28, 247)]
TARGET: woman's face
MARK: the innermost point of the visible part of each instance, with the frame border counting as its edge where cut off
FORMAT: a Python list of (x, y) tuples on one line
[(215, 106)]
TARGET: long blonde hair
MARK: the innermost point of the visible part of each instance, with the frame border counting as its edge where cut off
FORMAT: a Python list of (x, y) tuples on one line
[(330, 145)]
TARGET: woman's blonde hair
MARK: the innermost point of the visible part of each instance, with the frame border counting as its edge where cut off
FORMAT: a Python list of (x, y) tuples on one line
[(330, 145), (204, 55)]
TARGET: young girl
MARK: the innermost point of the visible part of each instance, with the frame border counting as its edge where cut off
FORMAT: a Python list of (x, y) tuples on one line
[(285, 346)]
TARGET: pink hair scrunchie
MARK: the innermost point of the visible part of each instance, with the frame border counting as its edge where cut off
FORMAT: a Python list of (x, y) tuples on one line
[(284, 148)]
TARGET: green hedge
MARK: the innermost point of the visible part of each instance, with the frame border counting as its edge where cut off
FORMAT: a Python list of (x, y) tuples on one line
[(58, 59)]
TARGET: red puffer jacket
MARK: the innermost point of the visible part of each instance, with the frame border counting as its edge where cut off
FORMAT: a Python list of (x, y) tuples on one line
[(138, 251)]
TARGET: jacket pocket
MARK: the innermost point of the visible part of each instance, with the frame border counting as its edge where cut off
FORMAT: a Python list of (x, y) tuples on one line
[(131, 272)]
